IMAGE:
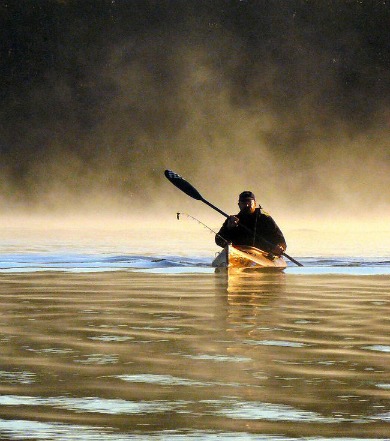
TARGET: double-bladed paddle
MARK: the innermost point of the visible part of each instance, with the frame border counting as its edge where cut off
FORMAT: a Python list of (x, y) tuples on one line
[(191, 191)]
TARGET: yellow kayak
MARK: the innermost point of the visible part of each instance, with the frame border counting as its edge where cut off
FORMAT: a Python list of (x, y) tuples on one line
[(239, 256)]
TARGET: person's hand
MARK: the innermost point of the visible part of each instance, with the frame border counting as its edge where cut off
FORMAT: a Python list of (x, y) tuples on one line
[(278, 250), (232, 222)]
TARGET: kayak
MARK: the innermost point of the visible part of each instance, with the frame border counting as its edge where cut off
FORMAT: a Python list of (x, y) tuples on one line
[(240, 256)]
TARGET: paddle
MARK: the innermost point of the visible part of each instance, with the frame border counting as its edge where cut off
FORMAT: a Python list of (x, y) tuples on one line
[(191, 191)]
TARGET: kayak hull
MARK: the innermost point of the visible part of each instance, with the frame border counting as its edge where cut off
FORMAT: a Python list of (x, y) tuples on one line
[(239, 256)]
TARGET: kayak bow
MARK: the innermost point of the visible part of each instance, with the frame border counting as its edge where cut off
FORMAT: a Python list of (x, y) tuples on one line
[(240, 256)]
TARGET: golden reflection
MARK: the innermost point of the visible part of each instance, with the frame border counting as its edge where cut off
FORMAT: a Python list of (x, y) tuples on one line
[(237, 281), (247, 297)]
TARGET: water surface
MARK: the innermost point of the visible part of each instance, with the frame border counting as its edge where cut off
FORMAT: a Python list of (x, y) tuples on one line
[(141, 355), (103, 342)]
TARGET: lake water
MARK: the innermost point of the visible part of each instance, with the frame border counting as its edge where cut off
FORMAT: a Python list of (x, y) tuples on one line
[(104, 342)]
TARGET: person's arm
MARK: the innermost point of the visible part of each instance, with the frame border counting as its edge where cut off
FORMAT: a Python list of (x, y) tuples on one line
[(220, 238), (224, 235), (277, 236)]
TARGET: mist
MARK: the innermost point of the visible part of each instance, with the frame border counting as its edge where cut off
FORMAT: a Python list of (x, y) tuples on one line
[(287, 99)]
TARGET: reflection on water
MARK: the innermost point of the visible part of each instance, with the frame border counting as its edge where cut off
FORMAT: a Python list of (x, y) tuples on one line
[(262, 356)]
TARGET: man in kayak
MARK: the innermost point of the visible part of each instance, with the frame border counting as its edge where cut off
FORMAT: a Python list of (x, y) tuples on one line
[(251, 226)]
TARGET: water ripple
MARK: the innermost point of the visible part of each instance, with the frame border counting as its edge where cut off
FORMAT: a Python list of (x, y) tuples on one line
[(22, 377), (286, 344), (378, 348), (265, 411), (169, 380), (35, 430), (93, 404)]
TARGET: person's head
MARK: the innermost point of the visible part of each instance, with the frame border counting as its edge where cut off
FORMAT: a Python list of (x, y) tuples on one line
[(247, 202)]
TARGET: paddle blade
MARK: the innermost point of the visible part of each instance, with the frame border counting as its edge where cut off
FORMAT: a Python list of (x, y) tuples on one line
[(183, 185)]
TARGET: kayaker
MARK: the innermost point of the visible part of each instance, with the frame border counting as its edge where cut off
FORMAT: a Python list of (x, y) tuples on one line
[(252, 227)]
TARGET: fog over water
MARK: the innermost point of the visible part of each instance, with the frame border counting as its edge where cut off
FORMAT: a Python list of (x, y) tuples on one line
[(287, 99)]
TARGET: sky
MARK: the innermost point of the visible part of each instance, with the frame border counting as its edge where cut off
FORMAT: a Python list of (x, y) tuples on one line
[(288, 99)]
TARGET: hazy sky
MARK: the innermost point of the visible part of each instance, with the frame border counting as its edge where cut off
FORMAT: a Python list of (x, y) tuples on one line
[(288, 98)]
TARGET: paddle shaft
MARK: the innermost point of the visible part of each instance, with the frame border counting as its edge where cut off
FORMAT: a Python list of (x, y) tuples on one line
[(214, 207)]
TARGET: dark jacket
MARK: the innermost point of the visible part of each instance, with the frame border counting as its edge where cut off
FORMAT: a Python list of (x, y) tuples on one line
[(263, 234)]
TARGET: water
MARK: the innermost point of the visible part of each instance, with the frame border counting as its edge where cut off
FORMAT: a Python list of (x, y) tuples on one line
[(102, 344)]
